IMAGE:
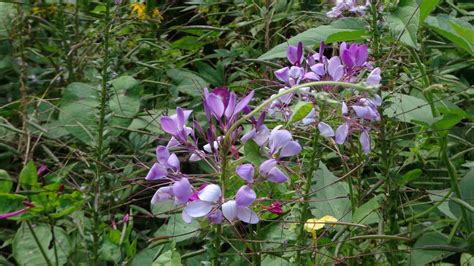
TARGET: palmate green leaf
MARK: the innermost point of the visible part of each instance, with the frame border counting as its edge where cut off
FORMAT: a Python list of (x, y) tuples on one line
[(300, 111), (367, 213), (330, 197), (409, 109), (187, 82), (124, 103), (346, 29), (26, 251), (404, 21), (423, 251), (456, 30), (177, 229)]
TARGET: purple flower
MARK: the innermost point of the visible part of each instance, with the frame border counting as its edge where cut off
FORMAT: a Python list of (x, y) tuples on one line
[(347, 5), (175, 125), (310, 118), (325, 130), (281, 143), (42, 170), (259, 133), (367, 108), (365, 141), (295, 54), (238, 209), (331, 69), (354, 55), (374, 77), (275, 207), (290, 75), (270, 170), (341, 133), (166, 163), (208, 197), (246, 172), (245, 196), (220, 102)]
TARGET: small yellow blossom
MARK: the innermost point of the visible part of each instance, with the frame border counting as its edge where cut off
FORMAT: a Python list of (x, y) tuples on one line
[(139, 9), (156, 13), (313, 224)]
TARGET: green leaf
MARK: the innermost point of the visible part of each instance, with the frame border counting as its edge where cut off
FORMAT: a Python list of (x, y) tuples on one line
[(403, 22), (367, 213), (467, 259), (300, 111), (467, 194), (408, 176), (79, 91), (124, 84), (426, 7), (345, 29), (6, 182), (29, 176), (438, 195), (163, 209), (26, 251), (330, 196), (447, 122), (409, 109), (252, 153), (177, 229), (456, 30), (170, 257), (187, 82), (11, 202), (423, 252)]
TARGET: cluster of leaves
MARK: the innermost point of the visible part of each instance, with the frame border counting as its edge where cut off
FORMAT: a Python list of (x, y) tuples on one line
[(412, 196)]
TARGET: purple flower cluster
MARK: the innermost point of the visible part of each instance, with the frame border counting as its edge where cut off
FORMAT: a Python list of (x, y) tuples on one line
[(350, 6), (222, 109), (358, 110)]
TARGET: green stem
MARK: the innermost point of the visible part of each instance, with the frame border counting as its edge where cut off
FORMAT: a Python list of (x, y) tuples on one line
[(100, 137), (453, 176), (51, 223), (43, 253)]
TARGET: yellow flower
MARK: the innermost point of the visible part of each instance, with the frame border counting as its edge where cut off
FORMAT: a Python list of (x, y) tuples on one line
[(139, 9), (313, 224), (156, 13)]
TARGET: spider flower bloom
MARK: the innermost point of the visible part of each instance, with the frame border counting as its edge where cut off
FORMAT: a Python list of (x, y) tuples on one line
[(353, 55), (259, 133), (281, 143), (175, 125), (246, 172), (295, 54), (167, 163), (222, 103), (180, 190), (270, 170), (238, 209), (208, 197), (275, 207), (347, 6)]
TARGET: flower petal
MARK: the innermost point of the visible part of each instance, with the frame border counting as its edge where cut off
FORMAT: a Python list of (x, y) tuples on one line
[(276, 176), (162, 154), (291, 149), (266, 166), (278, 139), (198, 208), (215, 217), (162, 194), (245, 196), (215, 104), (282, 74), (245, 171), (365, 141), (186, 218), (246, 215), (341, 133), (182, 190), (210, 193), (156, 172), (229, 210), (325, 130), (244, 102), (168, 125)]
